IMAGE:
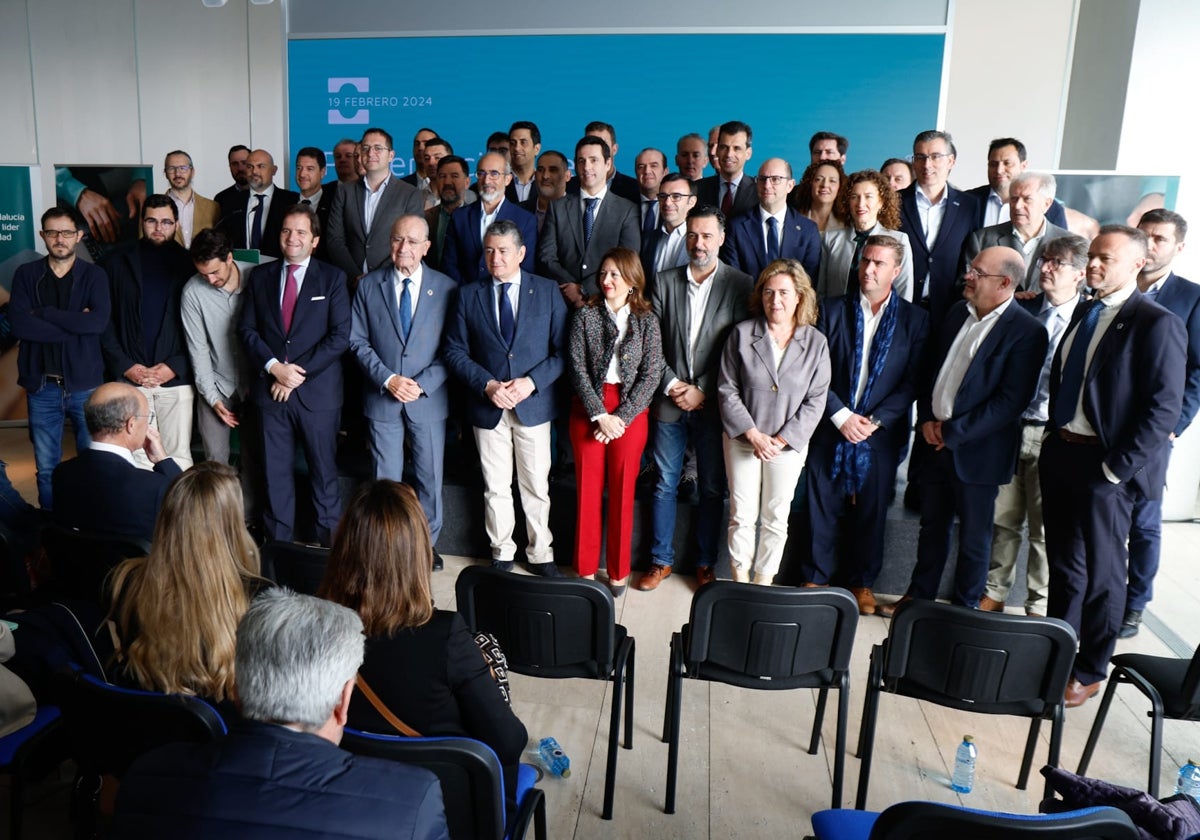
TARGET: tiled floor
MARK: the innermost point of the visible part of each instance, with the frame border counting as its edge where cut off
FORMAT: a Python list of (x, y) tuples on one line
[(744, 771)]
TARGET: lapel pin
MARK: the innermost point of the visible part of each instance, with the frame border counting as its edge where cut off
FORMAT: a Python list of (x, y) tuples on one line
[(1120, 325), (429, 292)]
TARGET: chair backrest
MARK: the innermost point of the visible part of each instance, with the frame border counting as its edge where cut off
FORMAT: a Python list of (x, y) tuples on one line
[(300, 568), (110, 726), (547, 627), (935, 821), (470, 773), (772, 637), (976, 660), (1191, 686), (80, 560)]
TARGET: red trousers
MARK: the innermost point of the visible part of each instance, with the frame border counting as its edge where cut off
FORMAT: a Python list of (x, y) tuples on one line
[(621, 460)]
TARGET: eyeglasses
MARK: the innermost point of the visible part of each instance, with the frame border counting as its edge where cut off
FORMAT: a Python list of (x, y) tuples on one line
[(493, 174), (154, 223), (973, 273), (936, 157), (1054, 264), (407, 240), (182, 169), (676, 197), (377, 149), (149, 416), (773, 180), (59, 234)]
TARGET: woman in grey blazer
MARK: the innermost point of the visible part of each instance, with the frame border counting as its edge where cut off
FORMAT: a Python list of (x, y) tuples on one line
[(873, 208), (771, 393)]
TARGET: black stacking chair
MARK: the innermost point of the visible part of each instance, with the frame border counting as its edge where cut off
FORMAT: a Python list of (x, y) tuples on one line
[(80, 560), (556, 628), (772, 638), (935, 821), (300, 568), (472, 782), (975, 661), (1171, 685), (28, 754)]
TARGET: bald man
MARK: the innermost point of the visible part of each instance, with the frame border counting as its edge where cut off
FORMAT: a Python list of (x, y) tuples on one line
[(256, 222)]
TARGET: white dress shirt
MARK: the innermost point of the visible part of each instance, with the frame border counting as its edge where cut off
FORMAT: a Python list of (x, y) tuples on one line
[(486, 219), (1112, 305), (301, 270), (671, 252), (252, 200), (187, 216), (512, 287), (612, 376), (414, 289), (870, 326), (115, 450), (971, 336), (995, 210), (371, 202)]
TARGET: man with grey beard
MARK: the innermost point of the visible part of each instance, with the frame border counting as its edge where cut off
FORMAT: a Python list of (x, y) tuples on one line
[(462, 251)]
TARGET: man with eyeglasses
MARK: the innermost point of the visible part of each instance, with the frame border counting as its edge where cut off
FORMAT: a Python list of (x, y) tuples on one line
[(361, 219), (1028, 228), (144, 343), (196, 213), (665, 247), (463, 252), (775, 231), (59, 307)]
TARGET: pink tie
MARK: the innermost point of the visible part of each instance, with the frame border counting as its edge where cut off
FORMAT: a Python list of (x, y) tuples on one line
[(290, 293)]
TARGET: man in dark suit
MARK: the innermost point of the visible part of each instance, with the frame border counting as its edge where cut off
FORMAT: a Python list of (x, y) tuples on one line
[(853, 454), (362, 214), (581, 228), (295, 325), (1165, 231), (524, 146), (665, 247), (618, 183), (255, 221), (102, 489), (551, 178), (506, 342), (1028, 230), (1006, 160), (1116, 395), (697, 305), (773, 230), (985, 370), (233, 198), (419, 177), (310, 173), (731, 189), (399, 314), (649, 168), (462, 254), (453, 182)]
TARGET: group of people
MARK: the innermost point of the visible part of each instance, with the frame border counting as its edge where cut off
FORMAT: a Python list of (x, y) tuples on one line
[(765, 329)]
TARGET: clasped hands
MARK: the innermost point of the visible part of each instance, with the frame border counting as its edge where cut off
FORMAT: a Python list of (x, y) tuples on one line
[(149, 377), (609, 427), (857, 428), (765, 446), (510, 393), (288, 377), (403, 388), (686, 397), (931, 430)]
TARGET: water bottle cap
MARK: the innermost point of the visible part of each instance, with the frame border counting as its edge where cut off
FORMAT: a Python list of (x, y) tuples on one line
[(566, 774), (970, 739)]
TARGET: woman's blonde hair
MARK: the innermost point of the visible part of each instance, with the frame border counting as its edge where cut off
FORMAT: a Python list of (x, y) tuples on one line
[(806, 306)]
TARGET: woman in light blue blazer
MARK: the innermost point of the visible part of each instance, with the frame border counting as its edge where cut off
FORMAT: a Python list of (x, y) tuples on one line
[(873, 208)]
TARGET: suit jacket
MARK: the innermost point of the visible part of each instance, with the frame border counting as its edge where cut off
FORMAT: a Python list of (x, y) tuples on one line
[(433, 257), (319, 335), (349, 243), (206, 214), (235, 221), (1056, 214), (837, 252), (941, 262), (752, 394), (230, 200), (476, 353), (626, 186), (1003, 235), (462, 254), (328, 193), (591, 345), (746, 250), (1132, 390), (1182, 297), (895, 389), (984, 432), (708, 191), (728, 305), (562, 253), (378, 343), (102, 492)]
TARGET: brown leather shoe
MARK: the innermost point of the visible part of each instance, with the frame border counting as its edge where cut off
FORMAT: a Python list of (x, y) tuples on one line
[(654, 577), (705, 575), (811, 585), (1077, 693), (888, 610), (865, 598), (990, 604)]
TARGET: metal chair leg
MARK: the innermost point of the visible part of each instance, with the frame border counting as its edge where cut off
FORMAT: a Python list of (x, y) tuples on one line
[(839, 743), (629, 699), (1098, 723), (1027, 759), (815, 741)]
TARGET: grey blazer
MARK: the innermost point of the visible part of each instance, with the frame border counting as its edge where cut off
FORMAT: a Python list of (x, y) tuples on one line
[(562, 254), (347, 240), (728, 304), (1002, 234), (837, 250), (753, 395)]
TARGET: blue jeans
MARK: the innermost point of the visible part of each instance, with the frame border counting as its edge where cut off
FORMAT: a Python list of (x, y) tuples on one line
[(703, 430), (49, 407)]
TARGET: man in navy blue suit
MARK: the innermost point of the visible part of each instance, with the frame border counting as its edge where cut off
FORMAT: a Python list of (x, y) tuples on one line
[(1116, 395), (1007, 159), (1165, 231), (876, 351), (295, 326), (772, 230), (987, 359), (506, 342), (462, 252)]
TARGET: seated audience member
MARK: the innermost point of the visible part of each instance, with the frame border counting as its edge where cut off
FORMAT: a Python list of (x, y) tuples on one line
[(101, 489), (421, 666), (820, 195), (615, 361), (279, 773), (174, 613), (873, 209), (771, 393), (898, 171)]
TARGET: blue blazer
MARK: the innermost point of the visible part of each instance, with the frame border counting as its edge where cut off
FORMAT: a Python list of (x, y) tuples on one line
[(984, 433), (379, 345), (476, 353), (319, 335), (102, 492), (1182, 297), (942, 261), (745, 250), (462, 252)]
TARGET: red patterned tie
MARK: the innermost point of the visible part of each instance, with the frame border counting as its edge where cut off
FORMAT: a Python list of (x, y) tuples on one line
[(727, 202), (290, 293)]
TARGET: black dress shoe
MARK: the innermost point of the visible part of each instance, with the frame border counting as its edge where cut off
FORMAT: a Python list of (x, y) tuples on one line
[(438, 563), (1130, 624), (503, 565), (547, 570)]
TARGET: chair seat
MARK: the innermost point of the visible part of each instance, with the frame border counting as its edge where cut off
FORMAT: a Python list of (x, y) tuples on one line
[(12, 742), (843, 824), (1165, 673), (527, 778)]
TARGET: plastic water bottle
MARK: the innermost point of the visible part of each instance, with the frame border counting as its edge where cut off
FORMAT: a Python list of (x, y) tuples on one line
[(1189, 779), (964, 766), (554, 758)]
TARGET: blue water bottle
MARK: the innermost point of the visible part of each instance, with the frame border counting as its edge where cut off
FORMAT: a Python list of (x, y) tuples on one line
[(553, 757), (1189, 779), (964, 766)]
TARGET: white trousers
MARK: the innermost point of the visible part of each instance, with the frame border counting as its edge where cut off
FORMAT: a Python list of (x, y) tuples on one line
[(172, 409), (760, 501), (529, 447)]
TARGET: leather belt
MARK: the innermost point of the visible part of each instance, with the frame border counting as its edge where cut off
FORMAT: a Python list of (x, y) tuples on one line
[(1027, 422), (56, 379), (1071, 437)]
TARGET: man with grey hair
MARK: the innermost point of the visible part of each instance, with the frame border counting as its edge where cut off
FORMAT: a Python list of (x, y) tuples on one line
[(1027, 230), (280, 772), (463, 251)]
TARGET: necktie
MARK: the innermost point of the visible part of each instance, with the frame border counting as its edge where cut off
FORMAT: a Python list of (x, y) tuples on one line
[(507, 326), (406, 308), (256, 228), (727, 202), (772, 239), (589, 218), (306, 202), (290, 293), (648, 218), (1073, 369), (860, 239), (1153, 293)]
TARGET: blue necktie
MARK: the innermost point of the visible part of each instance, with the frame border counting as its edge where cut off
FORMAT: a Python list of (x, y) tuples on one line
[(648, 219), (1153, 293), (406, 308), (772, 239), (589, 218), (1073, 369), (507, 325), (256, 228)]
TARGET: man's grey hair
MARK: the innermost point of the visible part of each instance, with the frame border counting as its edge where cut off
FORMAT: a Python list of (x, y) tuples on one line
[(109, 417), (505, 227), (1014, 269), (294, 655), (1043, 181)]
